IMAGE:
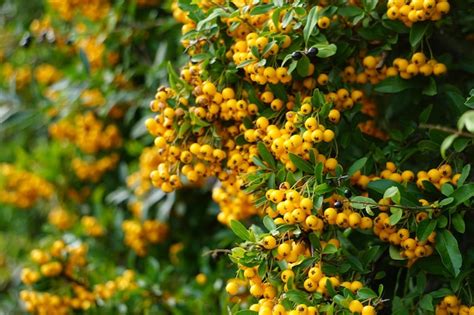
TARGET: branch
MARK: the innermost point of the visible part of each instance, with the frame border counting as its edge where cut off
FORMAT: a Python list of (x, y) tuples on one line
[(396, 206), (447, 130)]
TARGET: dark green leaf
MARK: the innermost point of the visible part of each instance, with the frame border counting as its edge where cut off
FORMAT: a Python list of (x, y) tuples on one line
[(426, 303), (303, 66), (462, 194), (393, 85), (430, 89), (266, 155), (329, 249), (425, 114), (261, 9), (301, 164), (458, 223), (464, 174), (417, 32), (447, 247), (356, 166), (240, 230), (297, 296), (425, 228), (366, 293)]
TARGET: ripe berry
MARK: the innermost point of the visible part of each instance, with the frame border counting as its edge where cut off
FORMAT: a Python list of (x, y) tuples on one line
[(297, 55), (347, 193), (269, 242), (338, 204)]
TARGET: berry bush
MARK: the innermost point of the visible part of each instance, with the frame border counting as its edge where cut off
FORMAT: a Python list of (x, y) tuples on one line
[(237, 157)]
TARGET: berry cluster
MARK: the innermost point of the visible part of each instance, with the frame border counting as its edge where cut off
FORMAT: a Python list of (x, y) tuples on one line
[(22, 189), (138, 235), (413, 11)]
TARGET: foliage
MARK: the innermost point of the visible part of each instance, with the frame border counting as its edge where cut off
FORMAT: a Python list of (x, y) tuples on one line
[(308, 157), (329, 121)]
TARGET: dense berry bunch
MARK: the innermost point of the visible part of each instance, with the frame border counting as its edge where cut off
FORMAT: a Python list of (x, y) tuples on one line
[(92, 9), (138, 235), (271, 113), (414, 11), (20, 188)]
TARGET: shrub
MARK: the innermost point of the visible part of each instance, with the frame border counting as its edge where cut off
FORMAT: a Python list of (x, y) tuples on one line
[(307, 157)]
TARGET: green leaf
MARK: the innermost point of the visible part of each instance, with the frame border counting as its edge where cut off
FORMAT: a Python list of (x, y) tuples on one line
[(448, 249), (266, 155), (303, 66), (218, 12), (360, 202), (446, 144), (356, 166), (458, 223), (301, 164), (393, 85), (396, 215), (350, 11), (240, 230), (279, 91), (317, 100), (395, 253), (393, 193), (446, 201), (369, 5), (467, 121), (297, 296), (322, 189), (418, 30), (85, 61), (183, 129), (425, 114), (314, 240), (246, 312), (330, 249), (464, 174), (447, 189), (366, 293), (173, 77), (425, 228), (311, 22), (463, 194), (441, 222), (369, 211), (426, 303), (261, 9), (330, 288), (196, 121), (470, 101), (269, 224), (292, 66), (326, 50), (460, 144), (430, 89)]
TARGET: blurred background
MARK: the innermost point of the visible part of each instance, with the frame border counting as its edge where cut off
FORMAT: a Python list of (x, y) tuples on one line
[(76, 79)]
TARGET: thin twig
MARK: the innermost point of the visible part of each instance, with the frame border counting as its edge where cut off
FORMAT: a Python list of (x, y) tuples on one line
[(395, 206), (447, 130), (217, 251)]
